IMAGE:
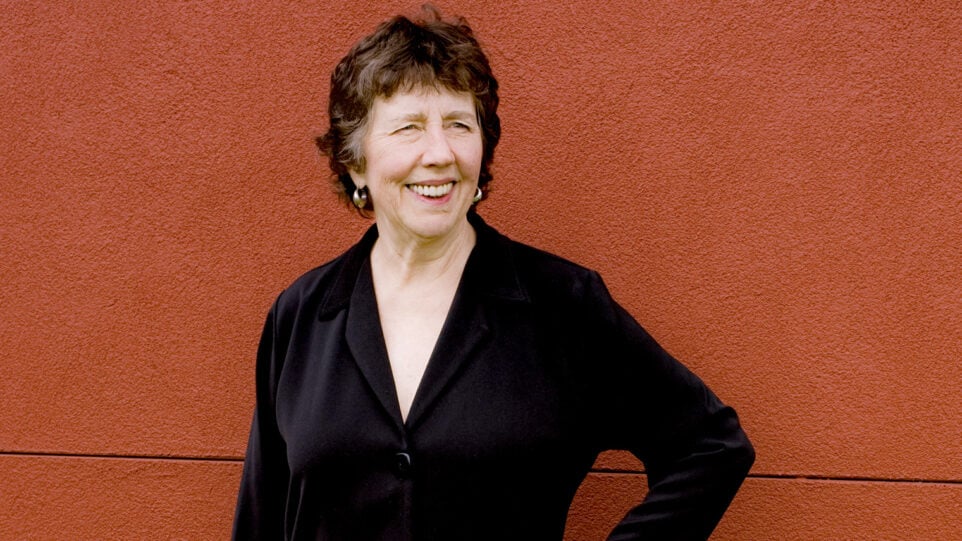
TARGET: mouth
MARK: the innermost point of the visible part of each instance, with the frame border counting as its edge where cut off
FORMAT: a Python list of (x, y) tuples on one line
[(433, 191)]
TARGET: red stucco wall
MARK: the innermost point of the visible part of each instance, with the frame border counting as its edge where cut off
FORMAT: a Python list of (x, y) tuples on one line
[(773, 190)]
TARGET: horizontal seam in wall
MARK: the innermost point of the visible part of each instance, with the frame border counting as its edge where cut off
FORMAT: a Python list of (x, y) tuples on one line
[(858, 479), (791, 477), (182, 458), (236, 460)]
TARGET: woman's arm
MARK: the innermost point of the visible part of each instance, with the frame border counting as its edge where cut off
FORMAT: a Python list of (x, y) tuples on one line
[(263, 489), (694, 450), (690, 489)]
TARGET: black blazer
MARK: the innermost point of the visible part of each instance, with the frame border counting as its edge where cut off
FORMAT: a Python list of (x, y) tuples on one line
[(536, 370)]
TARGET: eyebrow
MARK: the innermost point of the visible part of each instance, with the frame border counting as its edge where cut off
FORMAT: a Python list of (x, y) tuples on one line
[(407, 116), (462, 115), (419, 117)]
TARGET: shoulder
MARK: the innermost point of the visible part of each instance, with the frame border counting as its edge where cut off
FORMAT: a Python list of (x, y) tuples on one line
[(305, 295), (326, 288), (540, 276), (542, 269), (311, 285)]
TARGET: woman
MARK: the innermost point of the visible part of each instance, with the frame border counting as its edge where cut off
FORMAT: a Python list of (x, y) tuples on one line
[(439, 381)]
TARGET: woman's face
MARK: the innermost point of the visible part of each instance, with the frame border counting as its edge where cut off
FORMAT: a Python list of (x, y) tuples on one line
[(423, 153)]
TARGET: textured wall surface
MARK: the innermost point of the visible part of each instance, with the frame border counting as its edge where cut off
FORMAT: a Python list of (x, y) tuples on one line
[(774, 191)]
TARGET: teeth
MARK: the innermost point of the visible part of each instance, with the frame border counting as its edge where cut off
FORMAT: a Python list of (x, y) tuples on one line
[(432, 191)]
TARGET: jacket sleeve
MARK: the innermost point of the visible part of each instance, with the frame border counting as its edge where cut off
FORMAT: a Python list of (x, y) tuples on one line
[(261, 500), (694, 450)]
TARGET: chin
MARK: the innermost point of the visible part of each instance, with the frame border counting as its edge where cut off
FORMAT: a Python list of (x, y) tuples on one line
[(437, 226)]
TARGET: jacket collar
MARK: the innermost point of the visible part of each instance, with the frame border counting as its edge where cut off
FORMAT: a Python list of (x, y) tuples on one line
[(490, 269), (490, 273)]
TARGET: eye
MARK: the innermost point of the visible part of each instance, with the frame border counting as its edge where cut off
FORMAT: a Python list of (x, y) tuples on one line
[(406, 128), (462, 126)]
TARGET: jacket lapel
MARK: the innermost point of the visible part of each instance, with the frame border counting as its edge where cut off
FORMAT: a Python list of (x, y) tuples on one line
[(464, 329), (489, 276), (366, 342), (353, 289)]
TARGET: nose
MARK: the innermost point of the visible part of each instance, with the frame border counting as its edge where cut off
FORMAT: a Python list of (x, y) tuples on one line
[(437, 149)]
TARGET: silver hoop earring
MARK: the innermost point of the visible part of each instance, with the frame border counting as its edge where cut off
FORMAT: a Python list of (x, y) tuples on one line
[(360, 197), (477, 195)]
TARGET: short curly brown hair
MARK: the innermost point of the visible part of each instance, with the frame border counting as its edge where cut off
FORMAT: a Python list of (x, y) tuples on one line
[(404, 54)]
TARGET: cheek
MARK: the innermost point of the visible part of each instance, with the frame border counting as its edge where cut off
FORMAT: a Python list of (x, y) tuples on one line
[(387, 166), (470, 156)]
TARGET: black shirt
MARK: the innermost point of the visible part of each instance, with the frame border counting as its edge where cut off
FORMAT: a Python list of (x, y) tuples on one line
[(536, 370)]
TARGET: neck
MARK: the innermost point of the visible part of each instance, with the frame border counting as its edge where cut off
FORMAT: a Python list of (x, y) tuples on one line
[(412, 260)]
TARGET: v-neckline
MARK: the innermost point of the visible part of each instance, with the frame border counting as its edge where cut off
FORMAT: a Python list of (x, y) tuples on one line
[(411, 336), (463, 327)]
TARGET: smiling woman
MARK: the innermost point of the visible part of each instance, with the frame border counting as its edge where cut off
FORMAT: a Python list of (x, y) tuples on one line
[(423, 152), (408, 57), (441, 382)]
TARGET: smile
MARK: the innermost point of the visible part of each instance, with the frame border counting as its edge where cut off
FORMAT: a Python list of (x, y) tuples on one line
[(432, 191)]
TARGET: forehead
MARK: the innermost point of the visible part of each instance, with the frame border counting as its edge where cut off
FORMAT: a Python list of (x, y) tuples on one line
[(422, 102)]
